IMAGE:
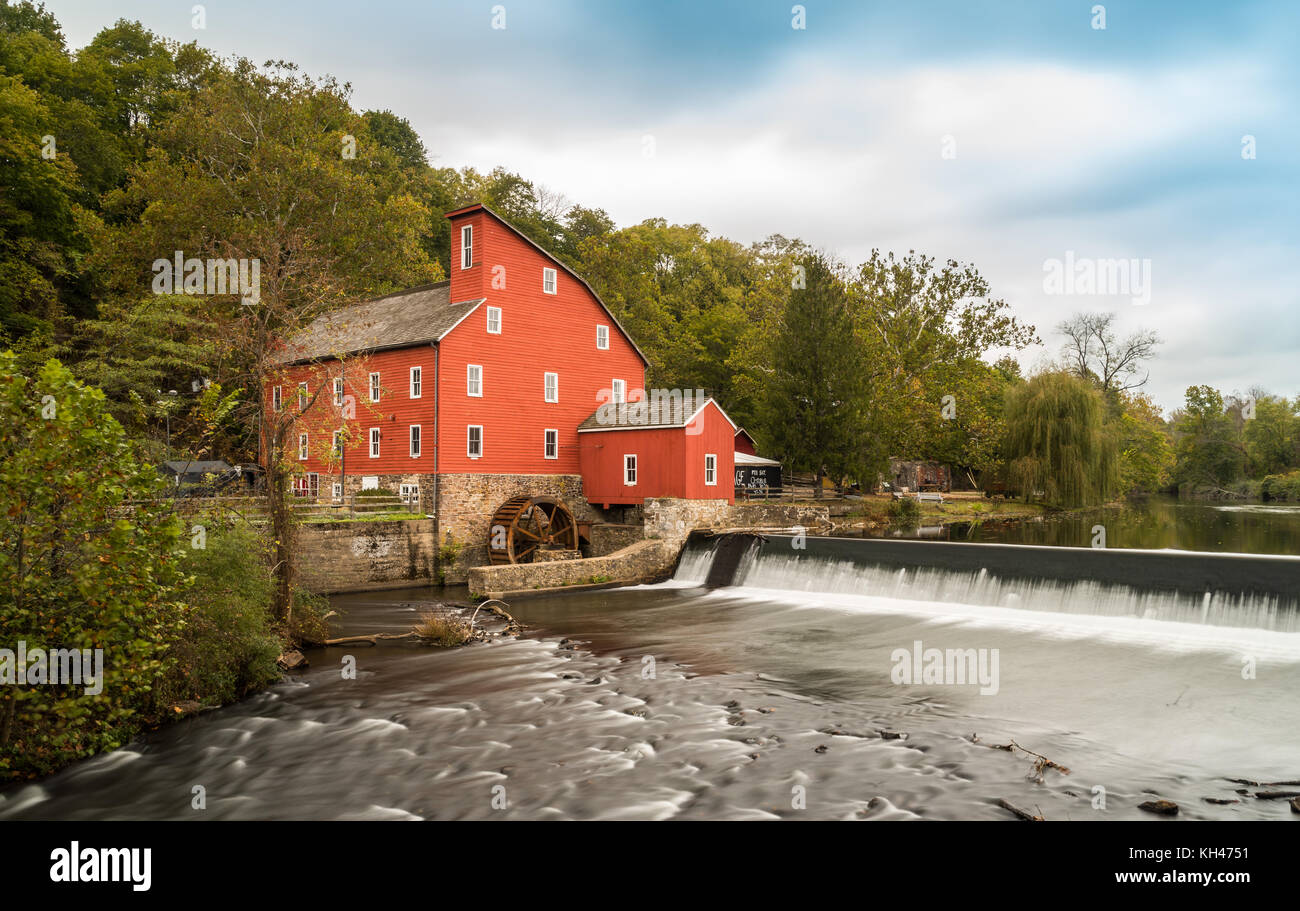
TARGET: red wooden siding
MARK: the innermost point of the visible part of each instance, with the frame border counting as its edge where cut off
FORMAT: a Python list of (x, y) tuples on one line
[(393, 414), (540, 333), (670, 461)]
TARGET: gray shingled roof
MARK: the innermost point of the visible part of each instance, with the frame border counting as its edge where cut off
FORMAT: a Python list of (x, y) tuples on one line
[(414, 317), (645, 415)]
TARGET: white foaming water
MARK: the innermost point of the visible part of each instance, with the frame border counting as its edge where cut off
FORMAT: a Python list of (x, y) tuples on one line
[(693, 565), (1214, 620)]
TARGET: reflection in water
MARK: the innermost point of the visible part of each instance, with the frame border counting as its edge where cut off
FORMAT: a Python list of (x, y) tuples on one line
[(1155, 524)]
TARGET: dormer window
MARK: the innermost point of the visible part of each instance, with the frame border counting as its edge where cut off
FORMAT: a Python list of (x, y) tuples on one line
[(467, 246), (548, 281)]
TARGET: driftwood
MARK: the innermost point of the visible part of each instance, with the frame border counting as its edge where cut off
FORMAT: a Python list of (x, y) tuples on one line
[(1263, 784), (513, 627), (1041, 762), (372, 638), (1022, 814)]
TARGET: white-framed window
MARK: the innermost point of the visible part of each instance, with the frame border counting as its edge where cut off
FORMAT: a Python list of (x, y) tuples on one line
[(374, 442), (474, 380), (410, 493), (602, 338), (551, 444), (374, 387), (417, 375), (474, 441), (551, 387), (415, 441), (494, 320), (302, 396), (302, 447), (276, 403), (338, 491), (338, 390), (619, 390), (466, 246), (710, 469), (629, 470), (337, 443), (548, 280)]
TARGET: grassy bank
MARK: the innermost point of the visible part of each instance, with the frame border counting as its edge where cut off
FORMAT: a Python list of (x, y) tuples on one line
[(883, 511)]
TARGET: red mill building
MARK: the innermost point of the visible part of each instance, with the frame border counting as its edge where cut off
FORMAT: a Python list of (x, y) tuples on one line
[(508, 397)]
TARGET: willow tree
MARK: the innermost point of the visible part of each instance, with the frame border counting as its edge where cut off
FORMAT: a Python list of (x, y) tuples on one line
[(1058, 447)]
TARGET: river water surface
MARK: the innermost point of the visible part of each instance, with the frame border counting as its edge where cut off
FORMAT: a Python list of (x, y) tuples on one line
[(772, 699)]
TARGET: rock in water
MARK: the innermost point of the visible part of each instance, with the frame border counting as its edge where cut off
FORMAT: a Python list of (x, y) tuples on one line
[(292, 660), (1161, 807), (1295, 804)]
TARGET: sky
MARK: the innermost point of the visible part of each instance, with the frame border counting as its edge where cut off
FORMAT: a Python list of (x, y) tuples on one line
[(1011, 135)]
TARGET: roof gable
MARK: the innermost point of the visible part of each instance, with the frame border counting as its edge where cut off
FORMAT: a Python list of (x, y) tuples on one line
[(648, 415), (478, 206)]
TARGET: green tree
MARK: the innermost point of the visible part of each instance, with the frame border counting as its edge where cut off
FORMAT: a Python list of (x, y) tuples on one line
[(1058, 448), (813, 413), (1272, 435), (77, 569), (1207, 448), (1146, 456)]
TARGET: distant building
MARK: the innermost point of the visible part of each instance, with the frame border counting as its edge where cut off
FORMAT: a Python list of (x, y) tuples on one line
[(920, 475)]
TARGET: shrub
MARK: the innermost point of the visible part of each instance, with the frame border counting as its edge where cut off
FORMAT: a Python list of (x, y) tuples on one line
[(228, 646), (908, 509), (376, 492), (443, 628), (80, 568), (1281, 486)]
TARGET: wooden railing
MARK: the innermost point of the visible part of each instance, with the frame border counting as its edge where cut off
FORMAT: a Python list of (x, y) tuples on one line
[(255, 508)]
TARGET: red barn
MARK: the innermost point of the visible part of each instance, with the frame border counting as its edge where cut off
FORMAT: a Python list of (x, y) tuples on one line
[(473, 391), (656, 448)]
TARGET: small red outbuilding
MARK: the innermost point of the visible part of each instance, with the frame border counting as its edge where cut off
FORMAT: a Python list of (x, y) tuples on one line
[(629, 452)]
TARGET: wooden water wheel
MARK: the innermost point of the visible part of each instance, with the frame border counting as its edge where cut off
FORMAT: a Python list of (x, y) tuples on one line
[(522, 525)]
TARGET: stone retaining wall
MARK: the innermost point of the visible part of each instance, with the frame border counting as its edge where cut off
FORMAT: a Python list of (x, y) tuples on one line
[(644, 561), (366, 556), (668, 523)]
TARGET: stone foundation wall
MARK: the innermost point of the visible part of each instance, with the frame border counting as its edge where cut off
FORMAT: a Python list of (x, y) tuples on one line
[(644, 561), (668, 522), (467, 502), (366, 556), (607, 538), (675, 519)]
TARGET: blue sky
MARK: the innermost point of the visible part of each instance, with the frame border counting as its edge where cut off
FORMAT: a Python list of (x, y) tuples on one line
[(1123, 142)]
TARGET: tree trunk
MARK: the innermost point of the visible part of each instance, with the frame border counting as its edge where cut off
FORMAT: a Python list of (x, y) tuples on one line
[(283, 531)]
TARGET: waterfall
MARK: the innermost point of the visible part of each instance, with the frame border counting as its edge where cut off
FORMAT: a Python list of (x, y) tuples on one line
[(1074, 581)]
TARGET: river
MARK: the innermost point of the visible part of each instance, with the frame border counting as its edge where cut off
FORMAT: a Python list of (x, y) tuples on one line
[(776, 698), (1156, 523)]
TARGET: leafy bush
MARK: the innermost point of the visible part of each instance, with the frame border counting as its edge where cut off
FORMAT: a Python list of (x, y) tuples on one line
[(80, 568), (908, 509), (1281, 486), (228, 646)]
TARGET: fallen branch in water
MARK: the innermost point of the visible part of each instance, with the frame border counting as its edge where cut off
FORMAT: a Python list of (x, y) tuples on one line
[(1023, 814), (1041, 762), (372, 638)]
